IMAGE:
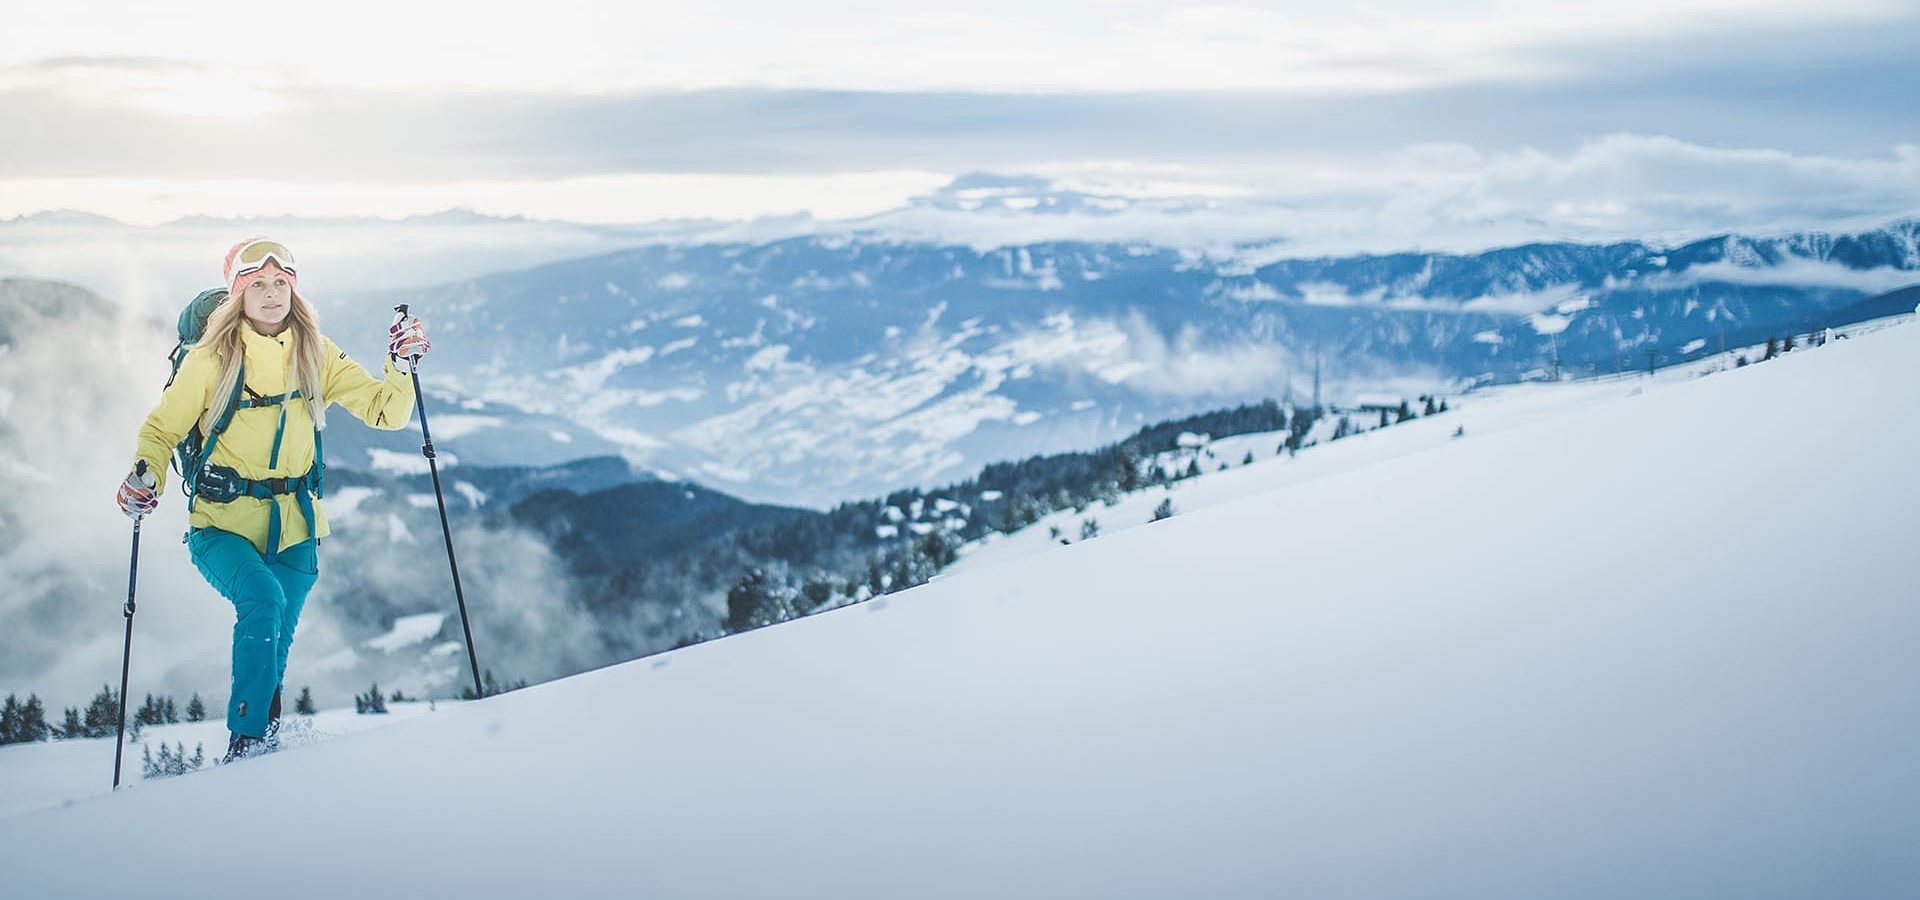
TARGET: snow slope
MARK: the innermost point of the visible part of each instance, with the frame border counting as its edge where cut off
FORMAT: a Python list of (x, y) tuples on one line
[(1661, 647), (42, 775), (1225, 476)]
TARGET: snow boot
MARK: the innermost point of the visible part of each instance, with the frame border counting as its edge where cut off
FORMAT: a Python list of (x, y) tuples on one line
[(241, 746), (272, 739)]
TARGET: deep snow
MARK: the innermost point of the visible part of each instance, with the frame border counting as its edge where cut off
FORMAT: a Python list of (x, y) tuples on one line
[(1663, 646)]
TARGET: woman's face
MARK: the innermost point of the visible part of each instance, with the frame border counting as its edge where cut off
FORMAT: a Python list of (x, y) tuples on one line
[(266, 299)]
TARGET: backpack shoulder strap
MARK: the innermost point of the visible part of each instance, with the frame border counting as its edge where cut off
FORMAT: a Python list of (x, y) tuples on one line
[(205, 452)]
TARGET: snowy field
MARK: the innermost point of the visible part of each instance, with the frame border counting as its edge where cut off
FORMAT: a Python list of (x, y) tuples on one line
[(1655, 643), (47, 774)]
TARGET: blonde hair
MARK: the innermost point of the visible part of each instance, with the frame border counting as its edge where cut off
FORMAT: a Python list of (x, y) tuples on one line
[(222, 334)]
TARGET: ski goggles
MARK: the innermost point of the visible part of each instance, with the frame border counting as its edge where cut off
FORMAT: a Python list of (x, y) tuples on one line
[(255, 256)]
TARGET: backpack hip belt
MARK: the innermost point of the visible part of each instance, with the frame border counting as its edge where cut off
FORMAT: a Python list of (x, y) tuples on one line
[(221, 484)]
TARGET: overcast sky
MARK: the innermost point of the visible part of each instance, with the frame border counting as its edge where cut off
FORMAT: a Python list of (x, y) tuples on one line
[(1614, 112)]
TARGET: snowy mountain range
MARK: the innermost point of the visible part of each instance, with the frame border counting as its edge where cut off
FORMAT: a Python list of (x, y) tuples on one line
[(809, 370), (1581, 650)]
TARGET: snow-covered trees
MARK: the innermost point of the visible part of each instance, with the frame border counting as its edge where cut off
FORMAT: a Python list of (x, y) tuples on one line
[(758, 599), (102, 717), (490, 687), (157, 711), (371, 703), (23, 722), (172, 760)]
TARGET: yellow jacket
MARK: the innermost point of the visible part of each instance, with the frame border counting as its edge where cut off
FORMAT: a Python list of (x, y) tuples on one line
[(247, 444)]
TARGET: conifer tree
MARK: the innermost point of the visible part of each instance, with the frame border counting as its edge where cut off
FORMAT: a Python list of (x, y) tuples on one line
[(10, 720), (33, 720), (303, 705), (938, 550), (748, 600), (103, 713), (71, 727), (150, 712), (1129, 470), (371, 703), (1163, 511), (196, 709), (816, 591)]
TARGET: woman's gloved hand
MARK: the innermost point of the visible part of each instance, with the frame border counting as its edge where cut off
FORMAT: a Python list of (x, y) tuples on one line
[(136, 496), (407, 339)]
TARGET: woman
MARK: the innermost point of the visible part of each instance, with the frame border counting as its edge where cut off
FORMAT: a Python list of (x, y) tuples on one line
[(254, 519)]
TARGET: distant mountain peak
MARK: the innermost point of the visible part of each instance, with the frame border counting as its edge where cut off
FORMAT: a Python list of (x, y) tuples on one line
[(460, 215), (64, 217), (975, 192)]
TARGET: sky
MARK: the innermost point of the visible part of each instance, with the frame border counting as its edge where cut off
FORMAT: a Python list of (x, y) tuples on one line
[(1623, 117)]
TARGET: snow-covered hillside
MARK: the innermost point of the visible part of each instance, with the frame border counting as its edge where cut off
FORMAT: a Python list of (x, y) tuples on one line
[(1660, 646), (1227, 475)]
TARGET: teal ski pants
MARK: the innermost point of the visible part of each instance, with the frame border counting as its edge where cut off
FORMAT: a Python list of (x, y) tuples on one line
[(266, 597)]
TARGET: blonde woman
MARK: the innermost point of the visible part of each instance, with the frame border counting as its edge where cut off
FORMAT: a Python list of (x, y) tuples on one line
[(257, 386)]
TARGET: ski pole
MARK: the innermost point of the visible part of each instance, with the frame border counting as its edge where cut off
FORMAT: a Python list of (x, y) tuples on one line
[(126, 652), (426, 450)]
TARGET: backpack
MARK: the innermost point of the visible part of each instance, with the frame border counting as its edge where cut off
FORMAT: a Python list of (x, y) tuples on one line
[(193, 324), (191, 454)]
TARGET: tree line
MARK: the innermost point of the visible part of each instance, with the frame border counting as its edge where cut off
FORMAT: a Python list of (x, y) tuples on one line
[(24, 721)]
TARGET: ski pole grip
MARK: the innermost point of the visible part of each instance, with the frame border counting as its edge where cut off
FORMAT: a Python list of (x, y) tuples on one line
[(399, 315)]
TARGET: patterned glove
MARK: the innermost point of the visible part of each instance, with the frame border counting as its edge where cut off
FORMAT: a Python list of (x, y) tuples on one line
[(407, 339), (136, 496)]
